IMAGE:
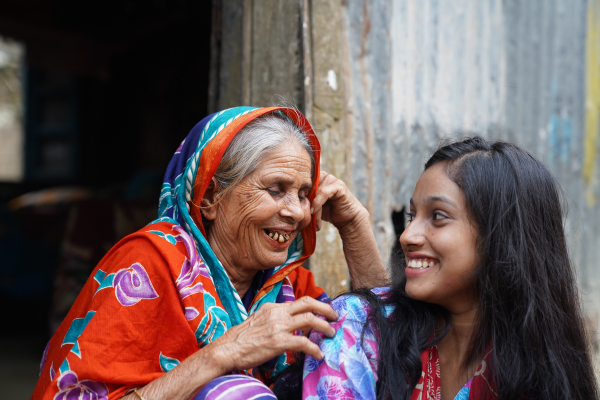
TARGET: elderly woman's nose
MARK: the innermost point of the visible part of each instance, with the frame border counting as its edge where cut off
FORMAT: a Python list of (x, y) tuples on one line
[(292, 208)]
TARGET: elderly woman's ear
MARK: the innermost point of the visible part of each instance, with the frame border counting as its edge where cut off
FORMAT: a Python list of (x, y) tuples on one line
[(209, 200)]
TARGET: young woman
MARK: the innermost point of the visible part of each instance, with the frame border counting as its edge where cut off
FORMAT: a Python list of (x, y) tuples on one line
[(486, 306)]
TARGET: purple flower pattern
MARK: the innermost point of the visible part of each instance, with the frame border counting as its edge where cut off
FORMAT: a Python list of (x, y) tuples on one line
[(44, 356), (287, 290), (70, 388), (191, 313), (191, 268), (132, 285)]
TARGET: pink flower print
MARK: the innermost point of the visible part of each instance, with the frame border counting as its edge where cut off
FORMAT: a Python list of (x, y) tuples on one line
[(132, 285), (70, 388), (332, 388)]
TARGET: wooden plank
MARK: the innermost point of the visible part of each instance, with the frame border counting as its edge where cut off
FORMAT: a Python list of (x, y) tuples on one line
[(276, 57), (328, 263)]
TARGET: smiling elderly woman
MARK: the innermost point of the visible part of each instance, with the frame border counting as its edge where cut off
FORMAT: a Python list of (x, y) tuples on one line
[(209, 289)]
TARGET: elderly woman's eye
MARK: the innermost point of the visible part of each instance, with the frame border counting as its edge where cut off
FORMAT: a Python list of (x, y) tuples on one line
[(302, 194), (273, 191)]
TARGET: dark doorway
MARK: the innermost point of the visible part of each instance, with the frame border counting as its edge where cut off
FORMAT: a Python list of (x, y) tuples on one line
[(111, 88)]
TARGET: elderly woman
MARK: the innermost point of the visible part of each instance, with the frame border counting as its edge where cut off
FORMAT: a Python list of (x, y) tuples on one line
[(210, 287)]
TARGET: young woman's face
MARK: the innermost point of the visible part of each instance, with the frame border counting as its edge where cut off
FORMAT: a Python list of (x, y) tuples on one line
[(440, 244)]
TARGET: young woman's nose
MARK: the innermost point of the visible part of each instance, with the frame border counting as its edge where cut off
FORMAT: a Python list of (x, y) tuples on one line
[(413, 236)]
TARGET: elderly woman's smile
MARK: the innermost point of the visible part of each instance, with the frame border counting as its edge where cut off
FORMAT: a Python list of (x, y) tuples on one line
[(261, 216)]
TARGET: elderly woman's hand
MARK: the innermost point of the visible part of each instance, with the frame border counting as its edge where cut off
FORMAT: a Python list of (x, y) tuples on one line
[(270, 332), (334, 203), (265, 334)]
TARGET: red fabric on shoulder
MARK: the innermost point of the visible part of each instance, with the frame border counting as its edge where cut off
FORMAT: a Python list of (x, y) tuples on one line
[(136, 318), (303, 282)]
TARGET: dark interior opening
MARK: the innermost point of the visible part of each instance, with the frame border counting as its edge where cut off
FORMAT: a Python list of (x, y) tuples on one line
[(399, 222), (111, 88)]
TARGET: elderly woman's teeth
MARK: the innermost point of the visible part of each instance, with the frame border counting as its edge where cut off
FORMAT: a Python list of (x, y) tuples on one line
[(420, 264), (280, 237)]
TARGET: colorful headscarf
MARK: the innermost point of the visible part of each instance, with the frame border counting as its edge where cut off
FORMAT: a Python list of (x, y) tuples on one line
[(187, 178)]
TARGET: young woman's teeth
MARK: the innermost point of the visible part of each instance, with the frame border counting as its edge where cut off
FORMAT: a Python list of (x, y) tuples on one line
[(420, 264), (278, 236)]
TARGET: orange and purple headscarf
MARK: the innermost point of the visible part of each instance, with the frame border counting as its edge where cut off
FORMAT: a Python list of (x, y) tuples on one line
[(188, 175)]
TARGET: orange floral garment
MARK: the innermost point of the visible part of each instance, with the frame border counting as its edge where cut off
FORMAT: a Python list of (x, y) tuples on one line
[(160, 294), (105, 348)]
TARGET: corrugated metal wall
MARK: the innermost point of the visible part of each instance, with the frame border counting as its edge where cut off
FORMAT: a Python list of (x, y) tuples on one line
[(525, 71), (385, 80)]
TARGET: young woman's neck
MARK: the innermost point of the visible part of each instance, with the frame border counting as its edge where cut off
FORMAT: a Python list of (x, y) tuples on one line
[(455, 347)]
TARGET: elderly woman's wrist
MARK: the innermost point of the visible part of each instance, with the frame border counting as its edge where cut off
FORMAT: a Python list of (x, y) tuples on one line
[(220, 357), (355, 226)]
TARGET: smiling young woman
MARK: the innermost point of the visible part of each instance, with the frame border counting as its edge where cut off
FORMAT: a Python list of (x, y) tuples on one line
[(485, 304)]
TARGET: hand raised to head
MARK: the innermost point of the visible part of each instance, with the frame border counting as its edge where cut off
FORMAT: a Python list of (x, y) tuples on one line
[(335, 203)]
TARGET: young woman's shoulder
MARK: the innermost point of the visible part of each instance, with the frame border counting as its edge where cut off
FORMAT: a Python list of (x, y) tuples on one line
[(353, 308), (349, 366)]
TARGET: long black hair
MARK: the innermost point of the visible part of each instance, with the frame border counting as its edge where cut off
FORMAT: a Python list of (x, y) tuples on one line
[(528, 306)]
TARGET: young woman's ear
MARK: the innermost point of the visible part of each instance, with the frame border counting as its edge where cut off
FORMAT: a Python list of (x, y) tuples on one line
[(208, 204)]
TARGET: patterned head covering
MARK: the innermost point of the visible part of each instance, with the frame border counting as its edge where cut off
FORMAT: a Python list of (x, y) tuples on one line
[(188, 175)]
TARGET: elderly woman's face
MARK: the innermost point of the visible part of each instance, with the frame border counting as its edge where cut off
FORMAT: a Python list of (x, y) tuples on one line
[(257, 221)]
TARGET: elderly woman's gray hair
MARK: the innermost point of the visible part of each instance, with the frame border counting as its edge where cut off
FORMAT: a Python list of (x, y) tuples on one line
[(252, 143)]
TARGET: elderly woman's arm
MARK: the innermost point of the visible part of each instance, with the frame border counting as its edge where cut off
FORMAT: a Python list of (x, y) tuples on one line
[(334, 203), (265, 334)]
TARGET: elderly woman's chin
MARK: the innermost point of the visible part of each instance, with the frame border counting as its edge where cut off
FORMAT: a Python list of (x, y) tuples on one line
[(262, 252)]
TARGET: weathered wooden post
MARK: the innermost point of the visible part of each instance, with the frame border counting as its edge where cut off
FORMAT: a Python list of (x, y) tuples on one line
[(266, 52)]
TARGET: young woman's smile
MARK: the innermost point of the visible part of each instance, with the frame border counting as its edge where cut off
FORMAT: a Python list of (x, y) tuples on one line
[(439, 243), (419, 263)]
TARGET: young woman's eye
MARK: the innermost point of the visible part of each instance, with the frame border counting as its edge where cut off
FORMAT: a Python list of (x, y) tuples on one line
[(409, 217), (437, 216)]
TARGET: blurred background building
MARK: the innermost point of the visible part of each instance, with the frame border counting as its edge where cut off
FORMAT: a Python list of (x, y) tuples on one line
[(95, 98)]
